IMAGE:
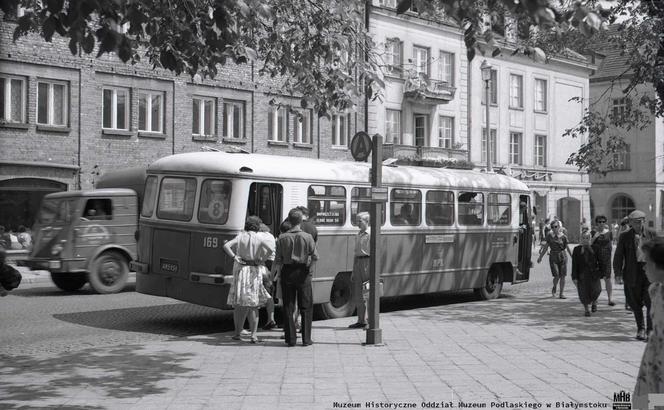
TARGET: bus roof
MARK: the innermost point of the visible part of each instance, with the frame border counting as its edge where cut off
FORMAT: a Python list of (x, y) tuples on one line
[(273, 167), (92, 193)]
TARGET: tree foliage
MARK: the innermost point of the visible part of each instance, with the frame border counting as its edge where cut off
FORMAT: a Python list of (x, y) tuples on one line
[(313, 48)]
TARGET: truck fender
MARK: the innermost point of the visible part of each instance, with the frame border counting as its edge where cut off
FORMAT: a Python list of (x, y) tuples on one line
[(119, 248)]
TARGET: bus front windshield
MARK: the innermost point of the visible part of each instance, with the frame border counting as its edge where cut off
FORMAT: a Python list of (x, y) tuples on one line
[(56, 211)]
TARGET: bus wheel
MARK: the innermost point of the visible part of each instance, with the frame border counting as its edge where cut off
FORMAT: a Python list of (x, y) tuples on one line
[(109, 273), (341, 303), (69, 281), (492, 287)]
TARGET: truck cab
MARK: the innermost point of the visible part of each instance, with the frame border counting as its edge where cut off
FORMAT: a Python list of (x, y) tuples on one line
[(86, 236)]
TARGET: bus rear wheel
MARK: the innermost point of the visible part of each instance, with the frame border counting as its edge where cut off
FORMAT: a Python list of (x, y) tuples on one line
[(109, 273), (341, 302), (492, 287), (69, 281)]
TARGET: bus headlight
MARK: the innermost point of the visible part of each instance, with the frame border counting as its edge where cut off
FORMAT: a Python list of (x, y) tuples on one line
[(58, 247)]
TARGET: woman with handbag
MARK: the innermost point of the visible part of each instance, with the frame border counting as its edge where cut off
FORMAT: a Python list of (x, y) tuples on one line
[(247, 294), (586, 273), (557, 243)]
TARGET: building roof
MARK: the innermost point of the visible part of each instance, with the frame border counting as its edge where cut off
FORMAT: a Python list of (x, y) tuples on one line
[(268, 167), (615, 60)]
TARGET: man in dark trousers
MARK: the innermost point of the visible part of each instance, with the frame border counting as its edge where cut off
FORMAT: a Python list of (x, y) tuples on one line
[(294, 259), (629, 260)]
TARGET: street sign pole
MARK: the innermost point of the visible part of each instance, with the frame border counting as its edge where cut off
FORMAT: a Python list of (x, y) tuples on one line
[(374, 333)]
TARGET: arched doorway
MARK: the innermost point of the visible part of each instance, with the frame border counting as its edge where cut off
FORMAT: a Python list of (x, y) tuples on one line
[(569, 211), (20, 199), (621, 206)]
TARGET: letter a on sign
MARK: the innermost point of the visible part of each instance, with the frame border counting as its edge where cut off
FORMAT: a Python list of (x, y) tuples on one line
[(360, 146)]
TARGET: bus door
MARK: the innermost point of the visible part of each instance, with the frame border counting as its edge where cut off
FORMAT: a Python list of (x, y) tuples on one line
[(524, 240), (265, 201)]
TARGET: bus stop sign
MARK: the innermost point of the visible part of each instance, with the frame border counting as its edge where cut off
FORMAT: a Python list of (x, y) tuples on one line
[(360, 146)]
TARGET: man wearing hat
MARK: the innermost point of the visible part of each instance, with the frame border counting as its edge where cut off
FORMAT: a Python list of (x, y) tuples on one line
[(630, 261)]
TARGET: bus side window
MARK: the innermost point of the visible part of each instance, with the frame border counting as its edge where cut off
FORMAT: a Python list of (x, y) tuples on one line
[(499, 209), (471, 208), (405, 207), (327, 204), (360, 201), (440, 208), (98, 209)]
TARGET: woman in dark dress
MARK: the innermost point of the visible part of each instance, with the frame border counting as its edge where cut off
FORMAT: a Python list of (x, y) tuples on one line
[(602, 240), (586, 274), (556, 242)]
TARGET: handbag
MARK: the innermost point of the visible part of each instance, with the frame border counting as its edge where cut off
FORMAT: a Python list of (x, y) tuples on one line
[(10, 278)]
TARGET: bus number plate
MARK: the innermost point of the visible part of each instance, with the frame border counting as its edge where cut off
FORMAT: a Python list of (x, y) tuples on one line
[(210, 242), (169, 265)]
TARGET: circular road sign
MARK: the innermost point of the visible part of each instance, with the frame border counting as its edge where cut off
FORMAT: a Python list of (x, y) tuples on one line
[(360, 146)]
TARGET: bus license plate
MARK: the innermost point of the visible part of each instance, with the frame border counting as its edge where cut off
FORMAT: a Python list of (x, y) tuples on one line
[(169, 265)]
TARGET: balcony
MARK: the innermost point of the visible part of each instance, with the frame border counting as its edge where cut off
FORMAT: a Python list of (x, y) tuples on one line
[(425, 153), (419, 88)]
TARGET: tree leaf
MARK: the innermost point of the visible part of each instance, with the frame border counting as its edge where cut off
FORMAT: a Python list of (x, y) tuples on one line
[(48, 28), (496, 52), (470, 54), (251, 54), (88, 43), (73, 46), (403, 6)]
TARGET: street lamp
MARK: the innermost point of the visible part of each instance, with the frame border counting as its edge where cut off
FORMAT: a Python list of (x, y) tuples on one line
[(486, 76)]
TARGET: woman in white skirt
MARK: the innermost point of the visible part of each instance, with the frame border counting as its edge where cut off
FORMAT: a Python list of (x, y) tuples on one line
[(247, 293)]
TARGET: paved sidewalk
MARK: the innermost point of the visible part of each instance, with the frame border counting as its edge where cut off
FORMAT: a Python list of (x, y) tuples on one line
[(522, 350)]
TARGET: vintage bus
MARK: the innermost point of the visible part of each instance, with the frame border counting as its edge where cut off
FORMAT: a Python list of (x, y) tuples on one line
[(442, 229)]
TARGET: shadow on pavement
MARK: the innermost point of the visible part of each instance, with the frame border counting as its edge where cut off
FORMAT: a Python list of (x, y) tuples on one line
[(118, 372), (178, 320), (564, 318), (51, 290)]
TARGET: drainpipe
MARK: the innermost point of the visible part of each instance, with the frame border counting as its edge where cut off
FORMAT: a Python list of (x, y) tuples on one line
[(80, 117)]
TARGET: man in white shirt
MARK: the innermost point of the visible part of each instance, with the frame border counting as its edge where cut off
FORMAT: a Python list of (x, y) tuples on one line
[(361, 268)]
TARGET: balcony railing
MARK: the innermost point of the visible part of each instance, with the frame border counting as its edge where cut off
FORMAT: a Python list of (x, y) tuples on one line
[(435, 153), (420, 88)]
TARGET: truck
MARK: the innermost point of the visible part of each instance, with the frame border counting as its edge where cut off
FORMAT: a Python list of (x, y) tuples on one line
[(89, 236)]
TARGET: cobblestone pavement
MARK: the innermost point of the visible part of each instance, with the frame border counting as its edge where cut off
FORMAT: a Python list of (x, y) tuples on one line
[(522, 349)]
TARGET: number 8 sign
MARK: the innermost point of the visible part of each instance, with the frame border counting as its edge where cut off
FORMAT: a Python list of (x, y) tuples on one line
[(216, 209)]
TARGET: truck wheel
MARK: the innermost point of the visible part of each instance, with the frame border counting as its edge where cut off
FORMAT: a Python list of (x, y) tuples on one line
[(69, 281), (492, 287), (341, 303), (109, 273)]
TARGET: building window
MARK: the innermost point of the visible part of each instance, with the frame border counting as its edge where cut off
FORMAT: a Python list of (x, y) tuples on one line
[(516, 91), (392, 126), (493, 89), (494, 154), (621, 206), (203, 115), (393, 61), (302, 125), (421, 60), (540, 95), (234, 119), (421, 129), (621, 159), (115, 109), (151, 111), (446, 67), (388, 3), (340, 130), (445, 131), (540, 150), (516, 139), (277, 124), (52, 103), (619, 108), (12, 103)]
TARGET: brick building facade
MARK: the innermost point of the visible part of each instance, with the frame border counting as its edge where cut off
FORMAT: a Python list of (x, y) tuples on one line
[(67, 119)]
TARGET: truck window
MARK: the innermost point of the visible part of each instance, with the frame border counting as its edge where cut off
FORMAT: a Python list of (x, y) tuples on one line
[(98, 209)]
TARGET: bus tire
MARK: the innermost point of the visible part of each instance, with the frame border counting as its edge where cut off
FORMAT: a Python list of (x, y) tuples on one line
[(109, 273), (69, 281), (492, 286), (341, 302)]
